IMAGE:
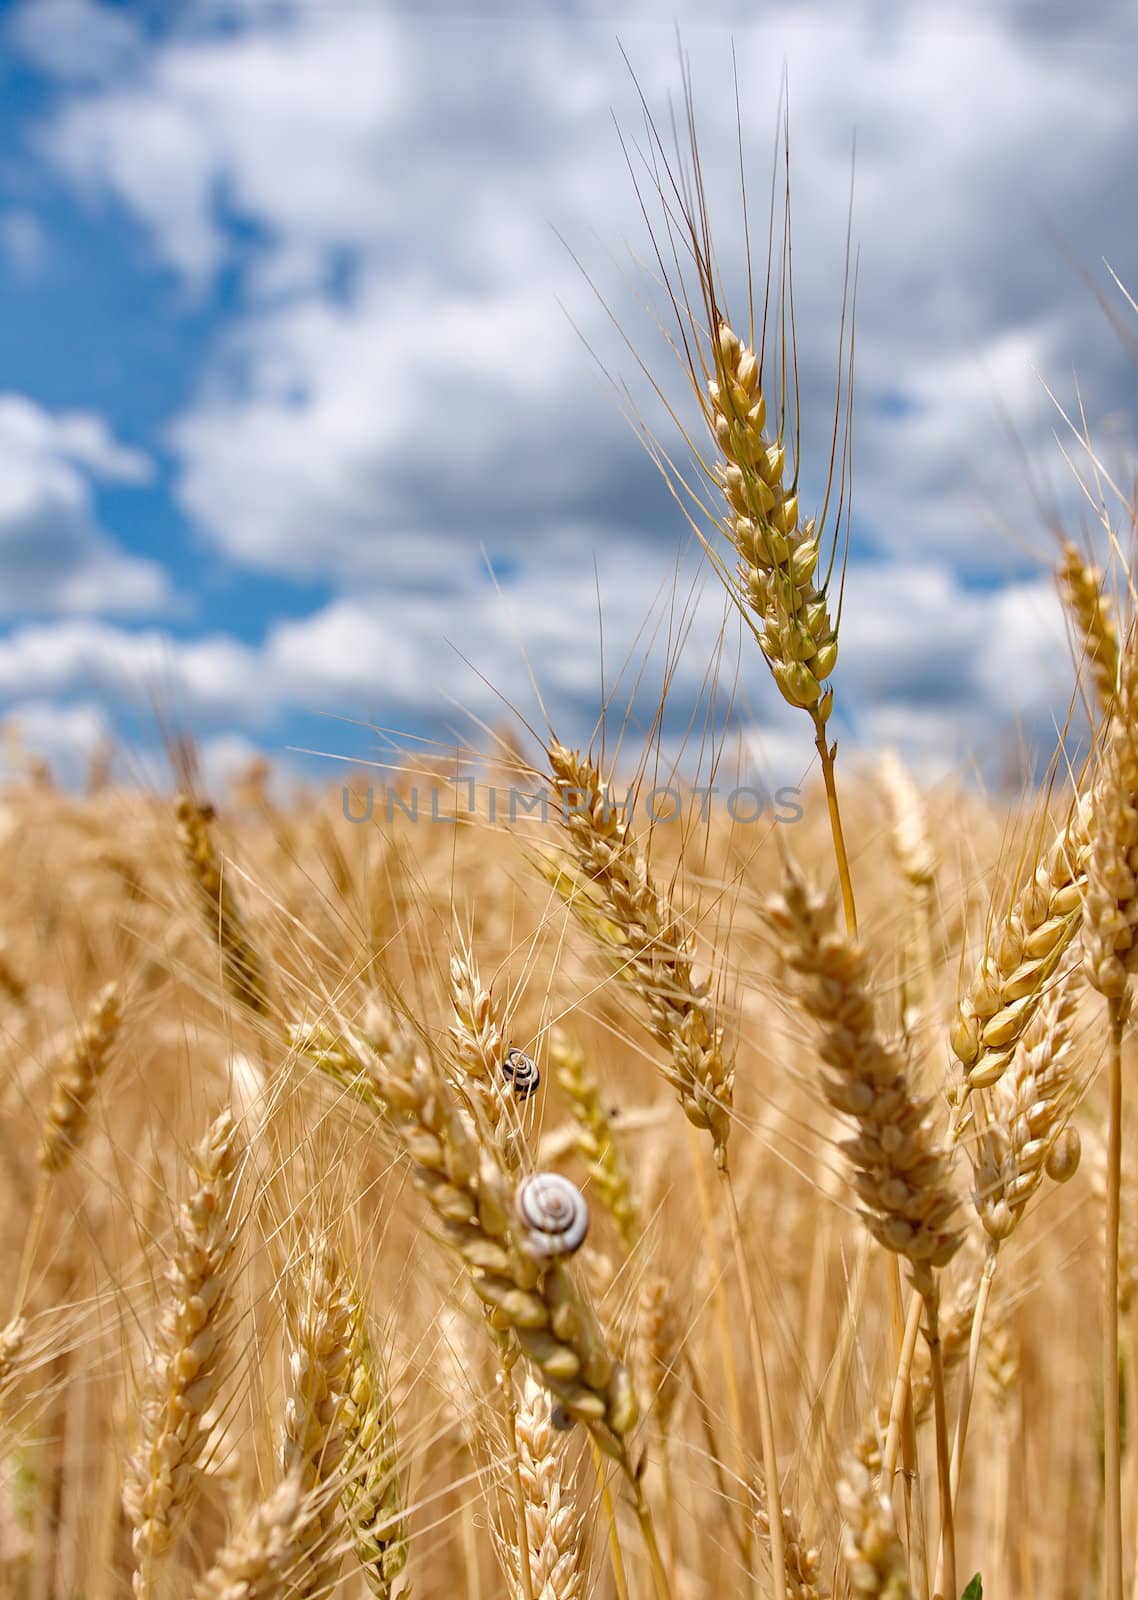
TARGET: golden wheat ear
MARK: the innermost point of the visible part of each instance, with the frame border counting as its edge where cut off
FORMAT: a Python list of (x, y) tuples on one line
[(186, 1363), (242, 967), (656, 947), (1081, 585)]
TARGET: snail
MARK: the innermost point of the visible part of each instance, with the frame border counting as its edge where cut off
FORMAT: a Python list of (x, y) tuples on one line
[(521, 1071), (554, 1214)]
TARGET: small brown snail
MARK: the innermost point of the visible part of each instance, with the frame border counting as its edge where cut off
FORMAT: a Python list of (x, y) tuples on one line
[(554, 1215)]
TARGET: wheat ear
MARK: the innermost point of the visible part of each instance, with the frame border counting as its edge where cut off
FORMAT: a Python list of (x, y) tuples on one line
[(371, 1494), (241, 964), (876, 1566), (185, 1367), (74, 1085), (315, 1436), (1024, 953), (551, 1520), (778, 551), (268, 1557), (655, 951), (1081, 587), (593, 1137), (900, 1171), (534, 1299)]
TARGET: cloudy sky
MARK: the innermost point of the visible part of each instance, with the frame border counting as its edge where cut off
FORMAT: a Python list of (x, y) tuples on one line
[(303, 315)]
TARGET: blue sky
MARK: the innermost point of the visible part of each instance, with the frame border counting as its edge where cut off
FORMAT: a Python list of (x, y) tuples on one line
[(292, 343)]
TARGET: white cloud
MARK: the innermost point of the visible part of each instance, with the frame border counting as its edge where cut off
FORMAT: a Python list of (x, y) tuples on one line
[(55, 556), (75, 39)]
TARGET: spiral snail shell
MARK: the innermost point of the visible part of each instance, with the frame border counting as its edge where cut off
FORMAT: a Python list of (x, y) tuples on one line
[(553, 1212), (521, 1072)]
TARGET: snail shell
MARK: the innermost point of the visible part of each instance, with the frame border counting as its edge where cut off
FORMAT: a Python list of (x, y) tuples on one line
[(553, 1212), (521, 1071)]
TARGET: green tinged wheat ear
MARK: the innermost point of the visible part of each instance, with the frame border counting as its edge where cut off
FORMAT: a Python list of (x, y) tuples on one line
[(241, 964), (185, 1368), (1081, 586), (900, 1171), (535, 1300), (598, 1149), (778, 551), (371, 1495), (655, 952), (73, 1087)]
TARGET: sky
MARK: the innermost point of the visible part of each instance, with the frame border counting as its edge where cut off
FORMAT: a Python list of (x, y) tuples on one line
[(320, 323)]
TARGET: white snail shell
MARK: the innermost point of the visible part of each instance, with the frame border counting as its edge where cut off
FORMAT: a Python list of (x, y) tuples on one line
[(521, 1072), (554, 1213)]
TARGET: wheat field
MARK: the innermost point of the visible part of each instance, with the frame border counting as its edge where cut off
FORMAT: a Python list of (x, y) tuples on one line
[(545, 1201)]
